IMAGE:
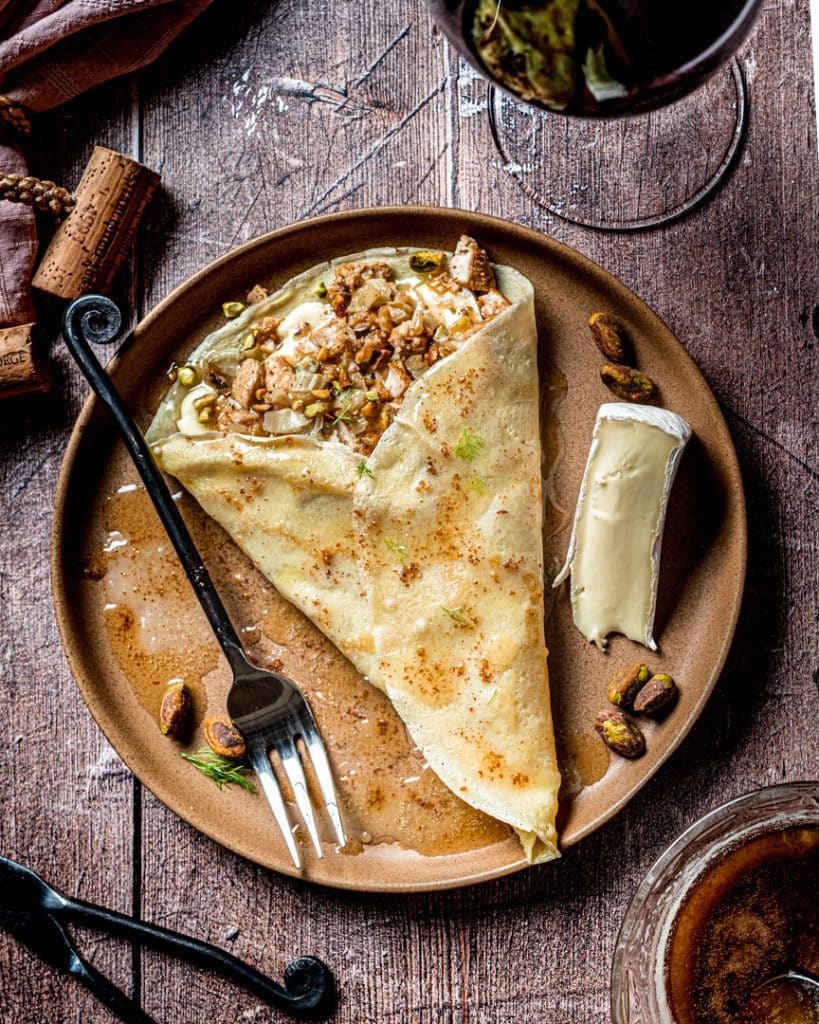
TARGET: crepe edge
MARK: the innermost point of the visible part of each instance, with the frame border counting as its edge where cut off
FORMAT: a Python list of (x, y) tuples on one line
[(537, 848)]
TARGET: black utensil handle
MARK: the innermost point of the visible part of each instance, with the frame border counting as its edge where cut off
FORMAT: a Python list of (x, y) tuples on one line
[(308, 991), (98, 319), (109, 994)]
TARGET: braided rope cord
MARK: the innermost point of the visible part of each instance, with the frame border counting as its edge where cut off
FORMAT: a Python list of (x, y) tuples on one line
[(14, 115), (44, 196)]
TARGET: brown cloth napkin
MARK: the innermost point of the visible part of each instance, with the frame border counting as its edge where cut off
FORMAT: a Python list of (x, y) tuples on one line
[(50, 52)]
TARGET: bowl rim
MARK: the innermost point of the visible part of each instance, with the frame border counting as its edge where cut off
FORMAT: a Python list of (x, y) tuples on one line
[(723, 813)]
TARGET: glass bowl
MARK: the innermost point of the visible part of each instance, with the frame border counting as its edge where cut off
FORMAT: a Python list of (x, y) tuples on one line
[(638, 976)]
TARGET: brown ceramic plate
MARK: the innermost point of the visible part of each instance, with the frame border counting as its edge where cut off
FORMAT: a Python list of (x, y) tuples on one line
[(129, 622)]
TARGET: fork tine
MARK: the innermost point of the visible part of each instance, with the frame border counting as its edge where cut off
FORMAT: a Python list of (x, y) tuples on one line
[(291, 765), (270, 787), (324, 774)]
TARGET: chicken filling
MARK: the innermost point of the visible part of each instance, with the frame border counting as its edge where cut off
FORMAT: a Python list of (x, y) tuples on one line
[(337, 366)]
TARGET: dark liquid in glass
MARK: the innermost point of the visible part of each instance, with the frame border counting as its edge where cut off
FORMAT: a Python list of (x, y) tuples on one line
[(753, 915), (601, 58)]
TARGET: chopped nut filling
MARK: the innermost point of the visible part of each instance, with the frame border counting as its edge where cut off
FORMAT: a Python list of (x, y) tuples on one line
[(339, 366)]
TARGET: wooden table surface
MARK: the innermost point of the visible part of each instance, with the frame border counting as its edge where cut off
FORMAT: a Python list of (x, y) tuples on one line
[(266, 113)]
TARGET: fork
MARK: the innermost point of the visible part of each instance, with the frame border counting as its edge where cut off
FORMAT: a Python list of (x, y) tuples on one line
[(266, 707)]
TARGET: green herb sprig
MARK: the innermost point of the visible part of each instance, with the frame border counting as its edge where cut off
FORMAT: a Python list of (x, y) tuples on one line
[(364, 470), (220, 770), (345, 412), (456, 614), (398, 550), (469, 446)]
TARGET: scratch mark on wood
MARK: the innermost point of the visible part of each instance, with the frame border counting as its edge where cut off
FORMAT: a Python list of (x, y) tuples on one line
[(335, 203), (248, 100), (365, 74), (446, 148), (771, 440), (374, 149), (451, 128), (18, 489)]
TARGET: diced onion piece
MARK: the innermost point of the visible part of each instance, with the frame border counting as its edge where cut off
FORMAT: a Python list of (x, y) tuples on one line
[(355, 400), (358, 425), (416, 366), (395, 379), (344, 433), (285, 421), (370, 295), (278, 397), (306, 381)]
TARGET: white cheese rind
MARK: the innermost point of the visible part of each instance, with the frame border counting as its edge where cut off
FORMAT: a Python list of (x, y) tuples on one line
[(615, 546)]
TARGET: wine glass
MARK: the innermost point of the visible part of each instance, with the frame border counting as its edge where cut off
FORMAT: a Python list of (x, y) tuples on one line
[(648, 129)]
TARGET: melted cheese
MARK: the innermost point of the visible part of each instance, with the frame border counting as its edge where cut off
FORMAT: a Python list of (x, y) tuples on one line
[(447, 308), (614, 551), (295, 327), (189, 422)]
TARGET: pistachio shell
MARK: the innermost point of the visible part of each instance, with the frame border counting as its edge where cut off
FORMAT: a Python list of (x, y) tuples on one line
[(627, 683), (223, 737), (175, 711), (619, 735)]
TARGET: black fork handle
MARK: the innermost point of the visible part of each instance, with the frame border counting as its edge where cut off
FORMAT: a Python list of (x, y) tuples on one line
[(107, 993), (308, 991), (94, 318)]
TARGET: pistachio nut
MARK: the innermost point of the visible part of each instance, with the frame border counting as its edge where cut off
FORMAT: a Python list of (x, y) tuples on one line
[(619, 735), (658, 693), (233, 309), (425, 261), (610, 337), (175, 711), (627, 683), (223, 737), (627, 383)]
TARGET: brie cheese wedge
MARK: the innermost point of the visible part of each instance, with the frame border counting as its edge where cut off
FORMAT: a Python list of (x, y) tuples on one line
[(614, 550)]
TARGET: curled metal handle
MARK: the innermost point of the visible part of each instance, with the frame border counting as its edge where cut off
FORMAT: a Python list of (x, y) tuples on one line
[(95, 318), (309, 988), (308, 992)]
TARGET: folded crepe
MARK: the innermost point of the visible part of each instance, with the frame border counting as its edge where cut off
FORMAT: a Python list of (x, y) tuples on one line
[(408, 530)]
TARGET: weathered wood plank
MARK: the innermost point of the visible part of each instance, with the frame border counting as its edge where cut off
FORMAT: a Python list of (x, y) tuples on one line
[(69, 799)]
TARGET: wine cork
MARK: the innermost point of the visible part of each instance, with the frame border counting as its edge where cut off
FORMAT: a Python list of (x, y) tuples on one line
[(23, 369), (91, 244)]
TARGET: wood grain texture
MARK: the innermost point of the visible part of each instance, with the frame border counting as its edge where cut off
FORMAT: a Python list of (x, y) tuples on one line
[(251, 132), (69, 812)]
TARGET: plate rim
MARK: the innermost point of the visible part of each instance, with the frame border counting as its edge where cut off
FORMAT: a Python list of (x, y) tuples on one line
[(535, 238)]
